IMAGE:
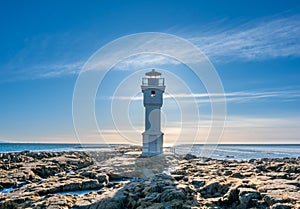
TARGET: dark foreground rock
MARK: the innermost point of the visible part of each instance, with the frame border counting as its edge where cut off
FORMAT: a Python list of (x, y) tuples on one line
[(158, 191), (118, 180)]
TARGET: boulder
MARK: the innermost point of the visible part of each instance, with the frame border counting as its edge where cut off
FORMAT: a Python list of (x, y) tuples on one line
[(214, 189), (102, 178), (45, 171), (115, 176), (246, 195), (231, 196), (189, 156), (197, 183), (91, 184)]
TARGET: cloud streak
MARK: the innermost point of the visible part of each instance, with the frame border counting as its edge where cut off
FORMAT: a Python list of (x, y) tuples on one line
[(262, 39), (48, 71), (256, 40), (237, 97)]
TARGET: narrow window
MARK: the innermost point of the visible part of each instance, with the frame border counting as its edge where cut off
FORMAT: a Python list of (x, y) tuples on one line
[(152, 93)]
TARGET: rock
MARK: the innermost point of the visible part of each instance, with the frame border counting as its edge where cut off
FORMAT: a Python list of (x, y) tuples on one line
[(89, 174), (115, 176), (156, 186), (118, 200), (214, 189), (73, 186), (227, 172), (246, 195), (246, 190), (197, 182), (8, 204), (189, 156), (281, 206), (132, 200), (290, 168), (261, 168), (102, 178), (201, 183), (178, 177), (45, 171), (174, 204), (91, 184), (272, 199), (237, 175), (252, 160), (7, 183), (47, 190), (172, 194), (186, 179), (231, 196), (152, 197)]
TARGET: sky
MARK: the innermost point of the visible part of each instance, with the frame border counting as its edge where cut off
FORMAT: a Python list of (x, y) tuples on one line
[(254, 47)]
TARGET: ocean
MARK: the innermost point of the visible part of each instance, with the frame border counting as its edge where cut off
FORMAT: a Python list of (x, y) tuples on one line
[(222, 151), (19, 147), (242, 152)]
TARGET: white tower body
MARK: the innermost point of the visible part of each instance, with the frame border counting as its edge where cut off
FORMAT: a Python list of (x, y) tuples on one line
[(153, 88)]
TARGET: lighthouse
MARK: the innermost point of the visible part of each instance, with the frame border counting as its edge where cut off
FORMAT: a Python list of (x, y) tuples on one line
[(153, 87)]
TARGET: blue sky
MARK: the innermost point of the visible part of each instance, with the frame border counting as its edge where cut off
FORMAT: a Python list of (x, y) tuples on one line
[(253, 45)]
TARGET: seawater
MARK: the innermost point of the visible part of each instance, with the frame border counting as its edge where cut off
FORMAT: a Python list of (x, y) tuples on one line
[(223, 151), (19, 147), (242, 152)]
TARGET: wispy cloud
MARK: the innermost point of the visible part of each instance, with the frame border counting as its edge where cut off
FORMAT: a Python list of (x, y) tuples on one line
[(237, 97), (261, 39), (255, 40), (41, 71), (48, 71)]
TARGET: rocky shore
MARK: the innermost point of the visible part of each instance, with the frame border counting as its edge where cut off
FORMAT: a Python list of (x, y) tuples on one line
[(114, 179)]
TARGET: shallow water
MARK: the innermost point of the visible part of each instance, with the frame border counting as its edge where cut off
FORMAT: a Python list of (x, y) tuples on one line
[(7, 190), (80, 192)]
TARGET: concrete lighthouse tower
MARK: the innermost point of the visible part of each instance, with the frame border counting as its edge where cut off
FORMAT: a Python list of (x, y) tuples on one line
[(153, 88)]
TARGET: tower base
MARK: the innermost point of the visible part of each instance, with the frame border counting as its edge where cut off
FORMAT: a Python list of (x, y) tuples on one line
[(152, 144)]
